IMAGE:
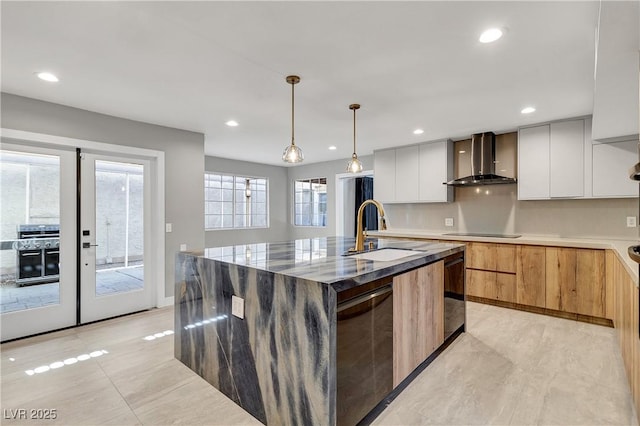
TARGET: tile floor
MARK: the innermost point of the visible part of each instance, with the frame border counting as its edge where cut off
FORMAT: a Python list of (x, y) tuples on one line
[(509, 368), (108, 281)]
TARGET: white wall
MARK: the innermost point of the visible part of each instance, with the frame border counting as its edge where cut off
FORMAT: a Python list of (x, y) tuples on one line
[(279, 227), (184, 160)]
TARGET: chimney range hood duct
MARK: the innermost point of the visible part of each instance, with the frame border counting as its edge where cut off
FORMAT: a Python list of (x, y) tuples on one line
[(483, 166)]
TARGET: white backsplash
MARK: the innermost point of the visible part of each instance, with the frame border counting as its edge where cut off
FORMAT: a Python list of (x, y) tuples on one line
[(495, 209)]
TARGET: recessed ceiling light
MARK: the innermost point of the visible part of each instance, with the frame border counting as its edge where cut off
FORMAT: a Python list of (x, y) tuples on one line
[(418, 131), (490, 35), (528, 110), (333, 147), (47, 76), (231, 123)]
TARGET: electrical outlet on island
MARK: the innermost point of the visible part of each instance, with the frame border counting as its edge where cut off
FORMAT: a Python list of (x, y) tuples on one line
[(631, 221), (237, 307), (448, 221)]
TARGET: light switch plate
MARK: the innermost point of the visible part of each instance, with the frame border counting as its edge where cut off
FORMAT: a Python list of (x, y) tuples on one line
[(448, 221), (168, 227), (183, 247), (631, 221), (237, 307)]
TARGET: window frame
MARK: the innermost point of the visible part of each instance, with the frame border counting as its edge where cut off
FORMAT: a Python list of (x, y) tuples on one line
[(293, 204), (234, 213)]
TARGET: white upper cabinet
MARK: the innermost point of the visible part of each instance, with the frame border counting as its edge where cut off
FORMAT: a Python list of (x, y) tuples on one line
[(566, 156), (551, 160), (384, 173), (435, 169), (415, 173), (559, 160), (533, 163), (615, 100), (407, 173), (611, 164)]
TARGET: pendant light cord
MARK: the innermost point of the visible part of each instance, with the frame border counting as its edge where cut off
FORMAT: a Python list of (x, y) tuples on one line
[(354, 131), (292, 116)]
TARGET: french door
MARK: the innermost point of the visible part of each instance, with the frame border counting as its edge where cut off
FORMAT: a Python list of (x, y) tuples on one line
[(97, 266), (37, 187), (115, 234)]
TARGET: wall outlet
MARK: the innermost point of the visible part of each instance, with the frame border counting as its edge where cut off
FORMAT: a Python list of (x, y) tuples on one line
[(183, 247), (237, 307), (448, 221), (168, 227), (631, 221)]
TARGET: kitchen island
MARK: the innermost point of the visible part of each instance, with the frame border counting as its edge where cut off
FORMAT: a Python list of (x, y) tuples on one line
[(281, 357)]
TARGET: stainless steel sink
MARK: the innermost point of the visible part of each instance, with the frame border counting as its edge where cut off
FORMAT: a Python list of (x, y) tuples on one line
[(386, 254)]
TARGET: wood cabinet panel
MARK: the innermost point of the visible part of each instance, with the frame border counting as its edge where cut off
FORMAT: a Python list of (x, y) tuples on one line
[(418, 317), (560, 272), (590, 282), (610, 260), (506, 287), (491, 285), (576, 281), (506, 258), (480, 283), (530, 276), (481, 256)]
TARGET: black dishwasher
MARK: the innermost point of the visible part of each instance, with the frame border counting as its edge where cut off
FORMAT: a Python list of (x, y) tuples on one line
[(364, 352)]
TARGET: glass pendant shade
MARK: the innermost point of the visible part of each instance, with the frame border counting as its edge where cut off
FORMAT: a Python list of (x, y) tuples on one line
[(292, 153), (354, 165)]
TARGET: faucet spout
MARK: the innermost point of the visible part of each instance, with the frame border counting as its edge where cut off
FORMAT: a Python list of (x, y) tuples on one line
[(360, 233)]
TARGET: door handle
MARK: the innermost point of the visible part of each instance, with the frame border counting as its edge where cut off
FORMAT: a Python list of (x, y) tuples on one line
[(88, 245)]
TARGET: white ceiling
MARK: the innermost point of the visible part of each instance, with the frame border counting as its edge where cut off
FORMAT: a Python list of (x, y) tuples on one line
[(195, 65)]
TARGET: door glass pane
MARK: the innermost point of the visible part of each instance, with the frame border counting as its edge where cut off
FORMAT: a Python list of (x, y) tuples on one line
[(119, 227), (29, 230)]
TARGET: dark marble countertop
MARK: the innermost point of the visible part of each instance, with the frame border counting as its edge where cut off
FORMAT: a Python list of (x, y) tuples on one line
[(322, 260)]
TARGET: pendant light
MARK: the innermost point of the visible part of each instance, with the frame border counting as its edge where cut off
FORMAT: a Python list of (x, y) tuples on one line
[(354, 165), (292, 153)]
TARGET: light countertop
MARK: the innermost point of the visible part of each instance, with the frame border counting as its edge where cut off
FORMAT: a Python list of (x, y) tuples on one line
[(619, 247)]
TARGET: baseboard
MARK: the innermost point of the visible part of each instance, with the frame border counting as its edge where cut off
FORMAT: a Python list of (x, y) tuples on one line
[(167, 301), (544, 311)]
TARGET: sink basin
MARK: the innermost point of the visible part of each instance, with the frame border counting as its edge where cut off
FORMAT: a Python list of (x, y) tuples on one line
[(386, 254)]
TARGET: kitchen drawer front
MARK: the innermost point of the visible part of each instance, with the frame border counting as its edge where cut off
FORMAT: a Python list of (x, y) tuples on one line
[(481, 256), (491, 285)]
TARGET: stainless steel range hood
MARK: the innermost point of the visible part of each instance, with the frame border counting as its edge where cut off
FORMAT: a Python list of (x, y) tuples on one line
[(483, 167)]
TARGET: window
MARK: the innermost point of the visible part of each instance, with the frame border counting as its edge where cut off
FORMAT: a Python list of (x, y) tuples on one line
[(235, 202), (310, 202)]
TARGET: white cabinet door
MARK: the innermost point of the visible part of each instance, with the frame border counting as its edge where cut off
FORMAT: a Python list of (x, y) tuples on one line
[(407, 173), (533, 163), (566, 171), (435, 169), (384, 169), (611, 164)]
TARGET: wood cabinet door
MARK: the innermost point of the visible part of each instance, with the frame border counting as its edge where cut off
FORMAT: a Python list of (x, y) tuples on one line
[(530, 276), (506, 287), (418, 317), (590, 283), (481, 283), (481, 256), (506, 258), (561, 293)]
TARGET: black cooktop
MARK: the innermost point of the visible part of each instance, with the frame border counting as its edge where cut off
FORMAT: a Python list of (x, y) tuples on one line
[(475, 234)]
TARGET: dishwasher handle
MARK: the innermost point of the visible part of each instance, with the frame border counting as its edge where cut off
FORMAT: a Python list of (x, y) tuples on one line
[(365, 297)]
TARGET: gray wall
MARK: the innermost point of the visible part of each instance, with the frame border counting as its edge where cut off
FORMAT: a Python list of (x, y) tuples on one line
[(328, 169), (279, 227), (500, 212), (184, 160)]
